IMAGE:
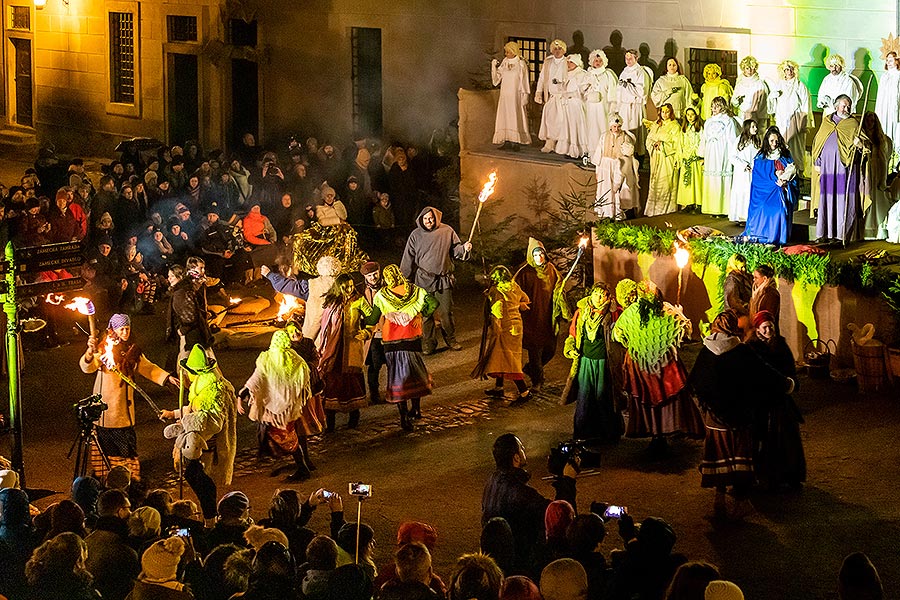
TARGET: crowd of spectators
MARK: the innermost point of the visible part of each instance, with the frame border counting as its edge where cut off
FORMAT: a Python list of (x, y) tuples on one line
[(159, 204), (115, 541)]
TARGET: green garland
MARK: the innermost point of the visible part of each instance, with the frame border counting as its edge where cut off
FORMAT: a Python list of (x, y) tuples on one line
[(807, 269)]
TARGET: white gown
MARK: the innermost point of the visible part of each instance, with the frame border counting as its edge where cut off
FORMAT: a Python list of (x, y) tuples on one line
[(717, 142), (573, 140), (600, 100), (835, 85), (887, 105), (550, 94), (512, 121), (617, 176), (631, 96), (740, 182), (750, 97), (672, 89), (790, 105)]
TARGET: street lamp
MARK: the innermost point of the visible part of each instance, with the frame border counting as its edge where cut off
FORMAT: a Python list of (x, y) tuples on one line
[(39, 4)]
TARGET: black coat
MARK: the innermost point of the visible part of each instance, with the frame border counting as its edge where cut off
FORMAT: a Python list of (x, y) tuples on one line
[(508, 495)]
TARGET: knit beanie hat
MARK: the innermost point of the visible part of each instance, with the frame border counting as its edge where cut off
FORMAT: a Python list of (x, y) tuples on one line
[(563, 579), (159, 563), (9, 479), (233, 504), (414, 531), (119, 477), (119, 320), (145, 522), (722, 590), (761, 317)]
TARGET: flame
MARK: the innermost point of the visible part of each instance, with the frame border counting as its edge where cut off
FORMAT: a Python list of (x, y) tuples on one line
[(234, 300), (82, 305), (583, 242), (682, 256), (107, 357), (287, 305), (54, 299), (488, 188)]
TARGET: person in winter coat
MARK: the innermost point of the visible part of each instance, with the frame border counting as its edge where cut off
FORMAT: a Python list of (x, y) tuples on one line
[(56, 571), (732, 383)]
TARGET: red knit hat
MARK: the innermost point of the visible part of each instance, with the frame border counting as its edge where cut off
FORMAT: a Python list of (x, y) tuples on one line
[(761, 317)]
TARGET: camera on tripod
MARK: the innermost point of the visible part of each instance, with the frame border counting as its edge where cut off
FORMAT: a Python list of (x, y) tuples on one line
[(90, 409)]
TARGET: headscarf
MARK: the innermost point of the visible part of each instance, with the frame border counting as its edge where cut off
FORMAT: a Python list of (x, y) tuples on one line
[(626, 292), (712, 71), (727, 322), (598, 54), (576, 60), (280, 386), (393, 277)]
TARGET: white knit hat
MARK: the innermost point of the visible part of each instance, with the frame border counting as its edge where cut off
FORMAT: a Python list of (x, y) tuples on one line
[(159, 563), (719, 589)]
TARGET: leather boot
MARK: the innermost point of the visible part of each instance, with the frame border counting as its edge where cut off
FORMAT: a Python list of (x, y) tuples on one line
[(302, 473)]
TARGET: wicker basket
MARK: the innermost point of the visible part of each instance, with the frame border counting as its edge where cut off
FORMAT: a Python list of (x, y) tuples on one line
[(817, 354)]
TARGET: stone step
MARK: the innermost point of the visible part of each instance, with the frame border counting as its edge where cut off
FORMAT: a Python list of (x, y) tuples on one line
[(15, 138)]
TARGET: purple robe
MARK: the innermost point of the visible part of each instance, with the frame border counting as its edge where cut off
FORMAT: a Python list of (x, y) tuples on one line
[(838, 210)]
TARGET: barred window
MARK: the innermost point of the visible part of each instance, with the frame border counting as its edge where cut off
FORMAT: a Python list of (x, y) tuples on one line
[(700, 57), (534, 51), (121, 57), (182, 28), (20, 17)]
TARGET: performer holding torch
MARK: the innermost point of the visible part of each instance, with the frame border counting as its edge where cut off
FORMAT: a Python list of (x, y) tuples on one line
[(115, 429)]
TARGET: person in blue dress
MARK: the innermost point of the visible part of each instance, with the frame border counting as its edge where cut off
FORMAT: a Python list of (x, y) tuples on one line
[(773, 192)]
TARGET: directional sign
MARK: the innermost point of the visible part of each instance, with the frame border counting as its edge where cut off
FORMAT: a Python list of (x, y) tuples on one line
[(49, 287), (48, 251), (49, 263)]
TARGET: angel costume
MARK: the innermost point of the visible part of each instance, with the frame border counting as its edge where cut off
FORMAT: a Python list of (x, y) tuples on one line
[(791, 108), (551, 86), (512, 121), (617, 174), (600, 98), (573, 140), (714, 86), (887, 107), (672, 89), (328, 268), (835, 85), (690, 181), (717, 142), (750, 97), (631, 98), (742, 160), (662, 144)]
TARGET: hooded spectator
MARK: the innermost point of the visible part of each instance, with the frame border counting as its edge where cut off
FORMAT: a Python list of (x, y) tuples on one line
[(85, 492)]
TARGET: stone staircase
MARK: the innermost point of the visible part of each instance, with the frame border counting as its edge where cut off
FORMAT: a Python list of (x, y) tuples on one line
[(17, 139)]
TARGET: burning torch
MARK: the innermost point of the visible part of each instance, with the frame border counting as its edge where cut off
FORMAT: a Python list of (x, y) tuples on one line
[(109, 362), (485, 193), (682, 256), (582, 244)]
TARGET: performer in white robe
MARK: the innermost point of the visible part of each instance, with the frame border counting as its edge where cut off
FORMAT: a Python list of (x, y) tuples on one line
[(549, 91), (672, 88), (742, 157), (511, 126), (573, 141), (887, 105), (713, 87), (631, 97), (837, 82), (790, 105), (617, 171), (717, 142), (600, 99), (662, 144), (751, 94)]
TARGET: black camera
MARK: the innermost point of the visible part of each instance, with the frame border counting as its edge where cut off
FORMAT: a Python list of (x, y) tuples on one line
[(572, 452), (90, 409)]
